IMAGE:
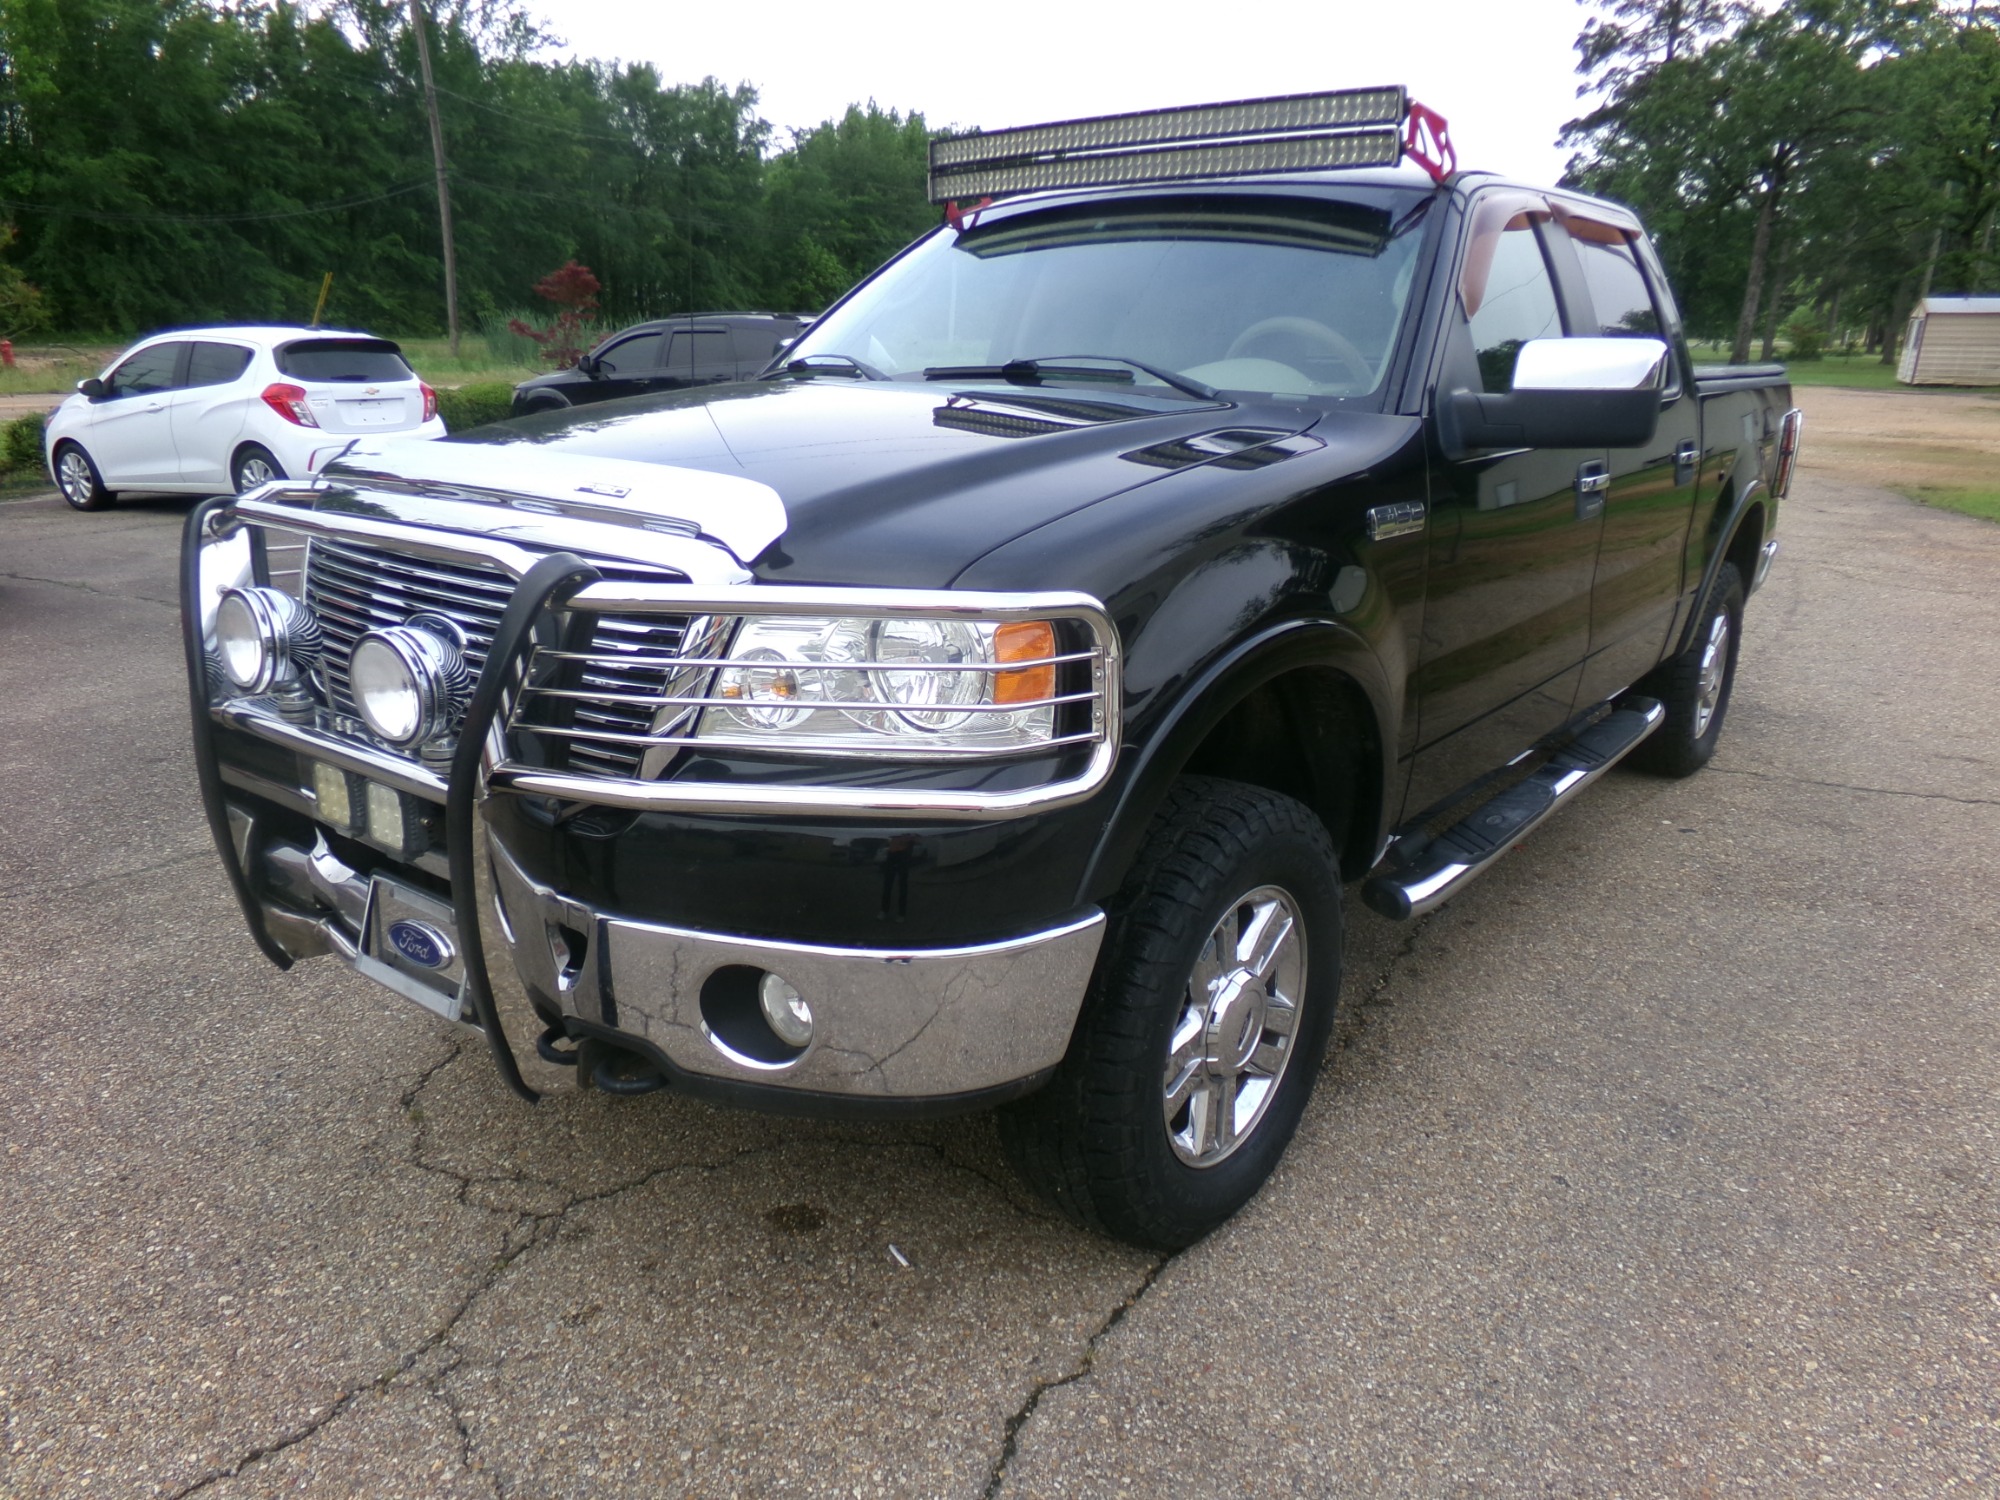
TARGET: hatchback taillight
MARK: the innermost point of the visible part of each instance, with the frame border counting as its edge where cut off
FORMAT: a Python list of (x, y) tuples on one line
[(430, 401), (289, 402)]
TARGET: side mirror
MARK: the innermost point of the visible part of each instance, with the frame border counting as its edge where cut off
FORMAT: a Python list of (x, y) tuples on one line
[(591, 365), (1569, 393), (93, 388)]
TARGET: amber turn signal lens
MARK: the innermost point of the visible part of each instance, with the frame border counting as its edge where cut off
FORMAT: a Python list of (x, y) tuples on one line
[(1027, 640)]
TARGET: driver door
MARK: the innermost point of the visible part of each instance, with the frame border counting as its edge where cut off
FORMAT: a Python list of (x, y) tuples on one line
[(1513, 534)]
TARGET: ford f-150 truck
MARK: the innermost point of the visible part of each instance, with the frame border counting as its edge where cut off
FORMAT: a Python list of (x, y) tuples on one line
[(991, 703)]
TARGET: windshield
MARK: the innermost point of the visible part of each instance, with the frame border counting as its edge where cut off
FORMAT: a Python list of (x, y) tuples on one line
[(1286, 296)]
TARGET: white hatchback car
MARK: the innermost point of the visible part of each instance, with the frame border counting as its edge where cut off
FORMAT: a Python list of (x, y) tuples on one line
[(206, 410)]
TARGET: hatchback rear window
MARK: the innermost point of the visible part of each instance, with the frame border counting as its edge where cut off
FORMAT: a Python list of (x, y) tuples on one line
[(343, 359)]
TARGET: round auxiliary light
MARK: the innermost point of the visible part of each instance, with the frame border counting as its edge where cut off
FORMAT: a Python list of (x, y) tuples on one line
[(264, 637), (409, 685), (786, 1010)]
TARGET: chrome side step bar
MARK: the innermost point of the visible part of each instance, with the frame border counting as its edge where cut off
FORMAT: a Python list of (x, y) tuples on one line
[(1473, 845)]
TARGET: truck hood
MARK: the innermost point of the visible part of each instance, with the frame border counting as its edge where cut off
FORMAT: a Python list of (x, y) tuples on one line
[(898, 483)]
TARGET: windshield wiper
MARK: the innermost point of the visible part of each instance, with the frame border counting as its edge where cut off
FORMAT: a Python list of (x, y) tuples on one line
[(831, 364), (1072, 367)]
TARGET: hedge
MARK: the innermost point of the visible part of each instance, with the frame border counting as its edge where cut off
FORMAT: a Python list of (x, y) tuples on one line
[(475, 405), (21, 448)]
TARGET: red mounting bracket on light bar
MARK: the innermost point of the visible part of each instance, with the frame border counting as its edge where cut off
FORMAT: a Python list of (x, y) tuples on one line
[(1427, 141), (1289, 133)]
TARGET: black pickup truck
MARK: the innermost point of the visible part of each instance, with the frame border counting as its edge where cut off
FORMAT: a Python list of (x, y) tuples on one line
[(988, 705)]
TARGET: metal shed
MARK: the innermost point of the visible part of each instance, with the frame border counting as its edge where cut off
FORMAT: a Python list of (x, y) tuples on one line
[(1952, 341)]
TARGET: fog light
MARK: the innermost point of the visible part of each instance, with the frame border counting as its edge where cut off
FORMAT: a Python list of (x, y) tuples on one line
[(394, 821), (333, 792), (410, 685), (786, 1010), (265, 638)]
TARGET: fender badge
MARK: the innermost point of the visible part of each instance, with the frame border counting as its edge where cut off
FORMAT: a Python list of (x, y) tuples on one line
[(421, 944), (609, 491)]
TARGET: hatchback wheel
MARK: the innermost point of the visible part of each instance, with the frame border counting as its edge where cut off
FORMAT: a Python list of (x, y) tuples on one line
[(78, 479), (255, 467)]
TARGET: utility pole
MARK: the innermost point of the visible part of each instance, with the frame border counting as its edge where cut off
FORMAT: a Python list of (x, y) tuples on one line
[(419, 23)]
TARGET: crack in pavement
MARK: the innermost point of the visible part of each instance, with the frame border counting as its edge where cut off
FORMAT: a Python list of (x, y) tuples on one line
[(1843, 786), (435, 1387), (537, 1229), (84, 588), (1012, 1434)]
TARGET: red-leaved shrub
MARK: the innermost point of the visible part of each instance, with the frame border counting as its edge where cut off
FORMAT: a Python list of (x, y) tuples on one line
[(573, 290)]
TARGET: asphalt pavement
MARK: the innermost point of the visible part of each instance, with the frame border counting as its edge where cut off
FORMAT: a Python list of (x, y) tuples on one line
[(1661, 1162)]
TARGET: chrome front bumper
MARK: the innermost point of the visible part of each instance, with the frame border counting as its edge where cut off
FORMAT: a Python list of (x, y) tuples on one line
[(890, 1024)]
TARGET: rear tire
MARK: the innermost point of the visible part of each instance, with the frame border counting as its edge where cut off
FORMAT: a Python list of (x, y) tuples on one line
[(1191, 1065), (1695, 686), (253, 467), (77, 477)]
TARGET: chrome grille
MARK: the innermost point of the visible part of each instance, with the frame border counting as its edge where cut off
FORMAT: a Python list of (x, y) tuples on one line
[(353, 588)]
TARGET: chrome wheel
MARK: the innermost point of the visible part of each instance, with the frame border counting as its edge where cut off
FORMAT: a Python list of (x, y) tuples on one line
[(252, 473), (1714, 673), (74, 477), (1233, 1039)]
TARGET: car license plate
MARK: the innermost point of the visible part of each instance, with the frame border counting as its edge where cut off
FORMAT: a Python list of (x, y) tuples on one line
[(386, 410)]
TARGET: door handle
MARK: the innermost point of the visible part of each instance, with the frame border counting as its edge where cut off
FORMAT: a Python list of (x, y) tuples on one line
[(1687, 458), (1593, 479)]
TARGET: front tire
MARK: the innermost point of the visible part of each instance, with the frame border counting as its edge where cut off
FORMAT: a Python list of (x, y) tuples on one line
[(254, 467), (1695, 685), (1204, 1028), (77, 477)]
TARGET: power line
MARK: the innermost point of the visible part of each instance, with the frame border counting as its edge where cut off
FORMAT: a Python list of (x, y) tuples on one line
[(63, 211), (541, 122)]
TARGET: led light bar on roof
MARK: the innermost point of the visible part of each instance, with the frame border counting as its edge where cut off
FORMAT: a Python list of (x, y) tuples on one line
[(1296, 132), (1300, 153)]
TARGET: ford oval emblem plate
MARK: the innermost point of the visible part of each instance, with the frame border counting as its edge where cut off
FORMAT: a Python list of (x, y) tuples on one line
[(421, 944)]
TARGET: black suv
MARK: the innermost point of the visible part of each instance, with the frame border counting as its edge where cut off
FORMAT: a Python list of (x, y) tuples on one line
[(665, 354)]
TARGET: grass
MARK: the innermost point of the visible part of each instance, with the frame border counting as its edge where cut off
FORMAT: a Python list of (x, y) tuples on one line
[(1854, 371), (1975, 501)]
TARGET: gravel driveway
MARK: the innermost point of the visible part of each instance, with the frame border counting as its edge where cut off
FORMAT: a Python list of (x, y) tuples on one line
[(1662, 1162)]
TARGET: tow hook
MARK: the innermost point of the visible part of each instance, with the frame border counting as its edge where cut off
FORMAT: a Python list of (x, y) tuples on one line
[(615, 1070)]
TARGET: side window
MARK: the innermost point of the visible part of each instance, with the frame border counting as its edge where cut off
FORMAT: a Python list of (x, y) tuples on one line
[(756, 342), (216, 364), (634, 356), (705, 350), (1515, 303), (1617, 289), (148, 370)]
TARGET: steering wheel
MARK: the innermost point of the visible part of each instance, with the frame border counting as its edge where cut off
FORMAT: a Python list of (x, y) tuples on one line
[(1308, 331)]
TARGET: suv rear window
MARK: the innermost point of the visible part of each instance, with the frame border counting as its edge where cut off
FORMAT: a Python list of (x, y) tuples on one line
[(343, 359)]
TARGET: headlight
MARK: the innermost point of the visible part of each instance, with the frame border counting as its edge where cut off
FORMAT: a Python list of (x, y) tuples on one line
[(893, 686), (409, 684), (264, 637)]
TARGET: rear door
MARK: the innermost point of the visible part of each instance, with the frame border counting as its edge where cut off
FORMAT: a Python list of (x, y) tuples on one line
[(131, 425), (208, 415), (1650, 503), (756, 344), (700, 356), (1513, 534)]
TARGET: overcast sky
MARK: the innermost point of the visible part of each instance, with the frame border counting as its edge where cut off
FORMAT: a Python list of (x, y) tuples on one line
[(1502, 71)]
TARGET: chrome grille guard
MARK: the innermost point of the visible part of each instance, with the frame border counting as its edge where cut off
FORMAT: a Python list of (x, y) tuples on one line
[(455, 528)]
